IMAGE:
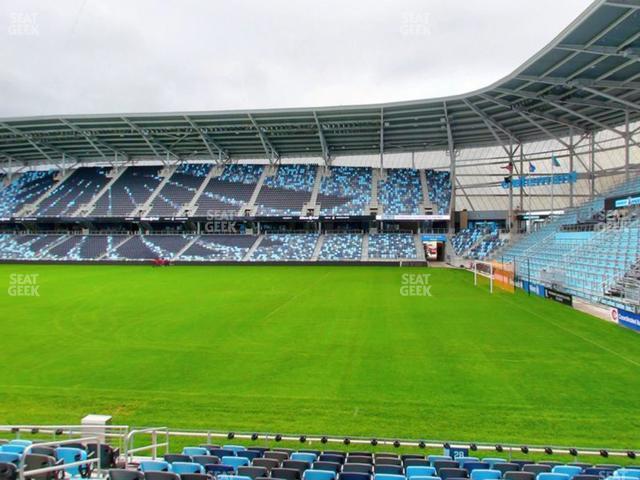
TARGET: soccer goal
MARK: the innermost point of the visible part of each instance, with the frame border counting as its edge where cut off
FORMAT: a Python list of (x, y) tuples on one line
[(498, 274)]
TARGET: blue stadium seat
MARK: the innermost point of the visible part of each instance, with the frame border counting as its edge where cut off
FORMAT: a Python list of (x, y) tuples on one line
[(232, 477), (484, 474), (430, 477), (218, 469), (437, 458), (235, 448), (10, 448), (221, 452), (318, 475), (155, 466), (470, 466), (235, 462), (18, 441), (627, 472), (415, 471), (70, 455), (250, 454), (186, 467), (462, 461), (303, 457), (552, 476), (491, 461), (388, 476), (10, 457), (194, 451), (354, 476), (570, 470)]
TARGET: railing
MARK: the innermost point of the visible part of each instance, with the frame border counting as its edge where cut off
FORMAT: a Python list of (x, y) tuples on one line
[(23, 473), (130, 449), (209, 435)]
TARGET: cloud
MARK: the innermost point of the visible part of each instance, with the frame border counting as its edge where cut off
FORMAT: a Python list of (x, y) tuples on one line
[(85, 56)]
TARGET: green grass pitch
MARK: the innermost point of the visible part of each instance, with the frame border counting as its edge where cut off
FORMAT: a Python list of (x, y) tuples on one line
[(315, 350)]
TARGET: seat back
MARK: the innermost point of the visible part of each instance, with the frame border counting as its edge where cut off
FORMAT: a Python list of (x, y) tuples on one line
[(8, 471), (331, 457), (416, 462), (519, 476), (190, 451), (220, 452), (493, 460), (176, 457), (235, 462), (506, 467), (186, 467), (471, 466), (218, 469), (318, 475), (285, 473), (49, 451), (571, 470), (536, 468), (35, 461), (123, 474), (11, 448), (440, 464), (303, 457), (205, 459), (388, 469), (582, 476), (235, 448), (154, 466), (388, 461), (359, 459), (195, 476), (358, 468), (297, 465), (8, 457), (267, 463), (552, 476), (280, 456), (18, 441), (485, 474), (70, 455), (388, 476), (354, 476), (108, 454), (419, 471), (330, 466), (249, 454), (445, 473), (155, 475), (253, 472)]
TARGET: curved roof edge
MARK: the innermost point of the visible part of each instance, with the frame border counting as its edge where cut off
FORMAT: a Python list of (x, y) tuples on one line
[(584, 80)]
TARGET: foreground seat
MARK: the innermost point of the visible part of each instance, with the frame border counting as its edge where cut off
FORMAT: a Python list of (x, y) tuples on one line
[(153, 475), (8, 471), (155, 466), (253, 472), (124, 474), (8, 457), (484, 474), (108, 455), (186, 467), (35, 462), (319, 475), (71, 455)]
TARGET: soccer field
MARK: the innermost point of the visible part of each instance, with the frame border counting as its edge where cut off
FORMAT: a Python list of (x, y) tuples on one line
[(316, 350)]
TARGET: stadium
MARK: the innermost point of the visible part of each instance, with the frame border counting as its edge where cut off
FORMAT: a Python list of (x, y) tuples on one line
[(438, 289)]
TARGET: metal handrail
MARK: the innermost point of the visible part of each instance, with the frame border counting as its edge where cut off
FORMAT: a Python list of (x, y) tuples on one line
[(129, 450), (89, 461)]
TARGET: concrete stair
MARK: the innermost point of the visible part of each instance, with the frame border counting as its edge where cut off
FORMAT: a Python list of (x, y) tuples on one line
[(186, 247), (365, 248), (190, 208), (419, 247), (30, 208), (115, 247), (427, 206), (44, 252), (253, 248), (269, 171), (312, 204), (317, 249), (166, 173), (377, 175), (86, 208)]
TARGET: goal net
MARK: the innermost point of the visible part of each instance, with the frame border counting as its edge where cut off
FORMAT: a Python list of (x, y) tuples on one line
[(496, 274)]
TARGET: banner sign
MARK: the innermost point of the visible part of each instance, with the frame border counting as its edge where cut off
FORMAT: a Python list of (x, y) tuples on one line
[(540, 181), (626, 319), (631, 200), (432, 217), (434, 237), (560, 297), (456, 452)]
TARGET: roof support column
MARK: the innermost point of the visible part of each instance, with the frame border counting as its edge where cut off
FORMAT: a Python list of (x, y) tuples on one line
[(592, 158), (510, 218), (381, 139), (571, 156), (522, 177), (627, 138), (452, 169)]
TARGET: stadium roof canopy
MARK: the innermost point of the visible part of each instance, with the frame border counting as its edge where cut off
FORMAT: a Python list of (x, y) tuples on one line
[(587, 79)]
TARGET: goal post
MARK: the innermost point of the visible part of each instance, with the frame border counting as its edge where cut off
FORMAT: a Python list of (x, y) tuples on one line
[(499, 274)]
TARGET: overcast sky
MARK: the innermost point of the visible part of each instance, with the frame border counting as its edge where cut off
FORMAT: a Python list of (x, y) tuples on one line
[(90, 56)]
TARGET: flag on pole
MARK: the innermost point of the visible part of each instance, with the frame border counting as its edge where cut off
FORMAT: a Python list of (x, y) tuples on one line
[(508, 167), (532, 167), (554, 161)]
